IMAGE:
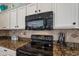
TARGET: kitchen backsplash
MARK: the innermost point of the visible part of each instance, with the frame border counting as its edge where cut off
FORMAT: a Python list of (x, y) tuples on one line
[(4, 32), (71, 35)]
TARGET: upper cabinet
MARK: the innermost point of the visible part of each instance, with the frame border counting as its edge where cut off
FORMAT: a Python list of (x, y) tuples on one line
[(44, 7), (13, 19), (38, 8), (66, 16), (31, 9), (21, 13), (4, 20), (17, 18)]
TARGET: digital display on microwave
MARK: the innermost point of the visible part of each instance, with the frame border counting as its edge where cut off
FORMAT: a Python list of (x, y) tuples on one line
[(36, 23)]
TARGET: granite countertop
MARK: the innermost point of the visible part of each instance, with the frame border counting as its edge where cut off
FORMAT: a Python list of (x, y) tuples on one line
[(57, 49), (65, 51), (8, 43)]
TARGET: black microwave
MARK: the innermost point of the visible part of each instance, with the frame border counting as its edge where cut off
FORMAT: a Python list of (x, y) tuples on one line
[(41, 21)]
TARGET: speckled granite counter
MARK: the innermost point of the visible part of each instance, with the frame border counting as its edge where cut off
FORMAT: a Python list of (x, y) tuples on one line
[(72, 49), (8, 43)]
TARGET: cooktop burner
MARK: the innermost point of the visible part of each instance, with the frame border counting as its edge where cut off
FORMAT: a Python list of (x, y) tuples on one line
[(27, 50)]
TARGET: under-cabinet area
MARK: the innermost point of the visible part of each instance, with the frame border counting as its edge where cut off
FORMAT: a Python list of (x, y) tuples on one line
[(39, 29)]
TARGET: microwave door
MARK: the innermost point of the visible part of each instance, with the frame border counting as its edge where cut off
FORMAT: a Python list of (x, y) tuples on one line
[(40, 21), (35, 24)]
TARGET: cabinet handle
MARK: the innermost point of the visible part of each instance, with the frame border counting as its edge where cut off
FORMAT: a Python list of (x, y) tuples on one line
[(35, 11), (74, 23), (39, 10), (15, 26)]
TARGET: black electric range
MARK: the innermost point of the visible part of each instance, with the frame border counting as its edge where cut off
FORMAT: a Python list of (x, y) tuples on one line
[(41, 45)]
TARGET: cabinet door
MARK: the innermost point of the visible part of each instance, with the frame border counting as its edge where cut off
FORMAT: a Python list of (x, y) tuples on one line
[(44, 7), (13, 24), (66, 15), (21, 13), (1, 21), (4, 20), (54, 13), (31, 9)]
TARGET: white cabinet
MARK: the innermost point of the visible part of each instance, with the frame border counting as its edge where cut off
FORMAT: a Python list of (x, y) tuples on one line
[(1, 21), (44, 7), (21, 13), (31, 9), (66, 15), (38, 8), (13, 20), (4, 20), (17, 18)]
